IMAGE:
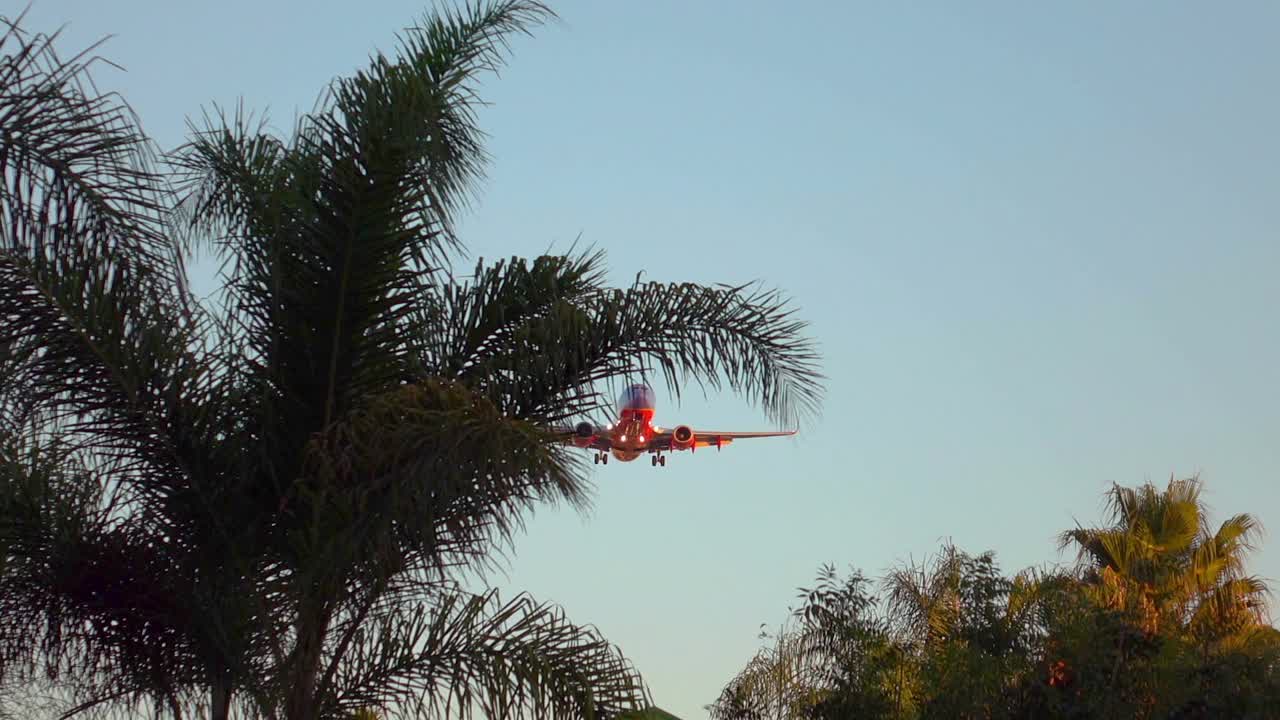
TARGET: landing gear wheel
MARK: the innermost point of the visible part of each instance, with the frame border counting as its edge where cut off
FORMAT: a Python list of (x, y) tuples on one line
[(662, 460), (653, 460), (604, 458), (596, 457)]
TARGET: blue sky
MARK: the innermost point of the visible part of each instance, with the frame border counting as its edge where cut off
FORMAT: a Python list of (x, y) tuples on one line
[(1037, 245)]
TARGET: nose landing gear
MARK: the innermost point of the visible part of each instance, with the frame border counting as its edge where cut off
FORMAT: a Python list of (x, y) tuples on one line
[(657, 460), (602, 458)]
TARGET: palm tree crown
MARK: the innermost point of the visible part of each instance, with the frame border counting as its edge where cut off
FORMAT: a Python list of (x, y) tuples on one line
[(1160, 558), (266, 500)]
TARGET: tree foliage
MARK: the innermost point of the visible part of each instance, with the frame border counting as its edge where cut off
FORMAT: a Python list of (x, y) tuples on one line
[(263, 505), (1159, 619)]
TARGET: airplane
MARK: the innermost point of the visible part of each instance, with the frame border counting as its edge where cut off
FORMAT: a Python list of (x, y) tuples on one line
[(634, 434)]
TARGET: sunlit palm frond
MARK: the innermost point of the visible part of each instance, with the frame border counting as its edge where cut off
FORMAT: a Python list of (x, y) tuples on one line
[(1220, 555), (1160, 560), (1088, 549), (771, 686), (1028, 591), (924, 599), (1168, 519), (835, 641)]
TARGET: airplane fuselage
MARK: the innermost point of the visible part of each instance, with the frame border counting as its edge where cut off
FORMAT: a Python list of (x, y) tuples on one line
[(634, 434), (630, 434)]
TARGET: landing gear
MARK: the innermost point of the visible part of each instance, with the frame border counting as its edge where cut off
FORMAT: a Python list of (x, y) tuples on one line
[(657, 460), (602, 458)]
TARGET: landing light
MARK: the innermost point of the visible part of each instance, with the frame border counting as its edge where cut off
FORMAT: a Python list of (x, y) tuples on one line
[(624, 438)]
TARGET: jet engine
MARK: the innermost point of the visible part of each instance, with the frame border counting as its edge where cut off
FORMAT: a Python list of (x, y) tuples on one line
[(682, 438), (584, 433)]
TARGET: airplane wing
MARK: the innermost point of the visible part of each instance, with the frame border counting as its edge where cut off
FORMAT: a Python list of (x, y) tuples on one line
[(661, 441), (596, 439)]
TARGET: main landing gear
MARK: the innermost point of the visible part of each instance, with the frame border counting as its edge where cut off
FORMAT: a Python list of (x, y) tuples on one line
[(602, 458), (657, 460)]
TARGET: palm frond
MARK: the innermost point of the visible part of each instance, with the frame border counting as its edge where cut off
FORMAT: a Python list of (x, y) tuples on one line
[(467, 655), (560, 360), (429, 474), (227, 172), (85, 598), (924, 598), (774, 684), (329, 234), (284, 493), (91, 288), (465, 322), (1160, 559), (425, 101), (76, 169), (104, 363), (835, 640)]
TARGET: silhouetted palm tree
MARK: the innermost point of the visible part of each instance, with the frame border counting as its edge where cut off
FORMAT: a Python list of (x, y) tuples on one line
[(269, 499)]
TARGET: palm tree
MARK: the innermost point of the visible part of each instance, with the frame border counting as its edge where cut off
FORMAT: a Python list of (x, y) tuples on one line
[(971, 633), (954, 638), (1166, 603), (834, 658), (1160, 560), (269, 500), (926, 600)]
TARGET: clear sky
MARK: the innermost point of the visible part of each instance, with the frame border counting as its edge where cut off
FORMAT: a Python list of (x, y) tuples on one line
[(1037, 244)]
